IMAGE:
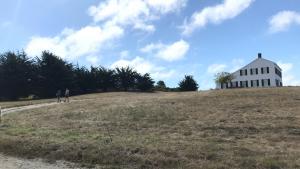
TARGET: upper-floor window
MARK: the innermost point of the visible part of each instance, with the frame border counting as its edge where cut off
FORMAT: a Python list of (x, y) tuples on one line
[(243, 72), (278, 72), (254, 71), (265, 70)]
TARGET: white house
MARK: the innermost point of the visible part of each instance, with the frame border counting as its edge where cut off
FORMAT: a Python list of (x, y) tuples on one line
[(259, 73)]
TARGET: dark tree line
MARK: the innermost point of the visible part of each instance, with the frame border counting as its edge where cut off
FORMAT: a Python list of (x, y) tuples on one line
[(21, 76)]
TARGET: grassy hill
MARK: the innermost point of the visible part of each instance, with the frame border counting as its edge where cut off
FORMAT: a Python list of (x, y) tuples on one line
[(246, 128)]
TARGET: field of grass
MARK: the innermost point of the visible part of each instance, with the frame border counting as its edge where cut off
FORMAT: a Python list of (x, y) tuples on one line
[(244, 128)]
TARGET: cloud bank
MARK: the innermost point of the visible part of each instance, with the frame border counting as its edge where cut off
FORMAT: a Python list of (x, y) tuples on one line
[(283, 20), (143, 66), (135, 13), (168, 52), (229, 9), (71, 44)]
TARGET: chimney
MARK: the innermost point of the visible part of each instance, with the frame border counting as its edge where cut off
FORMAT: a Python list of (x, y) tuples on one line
[(259, 56)]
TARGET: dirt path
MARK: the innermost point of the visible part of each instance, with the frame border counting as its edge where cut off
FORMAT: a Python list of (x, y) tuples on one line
[(17, 163), (21, 108), (33, 106)]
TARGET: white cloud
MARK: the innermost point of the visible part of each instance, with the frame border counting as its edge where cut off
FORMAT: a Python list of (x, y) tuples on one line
[(289, 79), (135, 13), (111, 18), (283, 20), (166, 6), (175, 51), (152, 47), (143, 66), (229, 9), (71, 44), (171, 52), (216, 68)]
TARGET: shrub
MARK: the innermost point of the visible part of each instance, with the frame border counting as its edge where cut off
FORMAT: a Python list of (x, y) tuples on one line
[(188, 84)]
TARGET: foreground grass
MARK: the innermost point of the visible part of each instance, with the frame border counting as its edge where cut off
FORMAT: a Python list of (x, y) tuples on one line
[(255, 128)]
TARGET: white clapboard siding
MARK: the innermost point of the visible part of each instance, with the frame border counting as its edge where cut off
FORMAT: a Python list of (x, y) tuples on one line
[(259, 73)]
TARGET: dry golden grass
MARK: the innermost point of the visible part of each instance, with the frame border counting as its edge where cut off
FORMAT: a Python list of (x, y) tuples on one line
[(247, 128)]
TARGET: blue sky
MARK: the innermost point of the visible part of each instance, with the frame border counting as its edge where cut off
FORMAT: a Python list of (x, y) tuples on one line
[(167, 38)]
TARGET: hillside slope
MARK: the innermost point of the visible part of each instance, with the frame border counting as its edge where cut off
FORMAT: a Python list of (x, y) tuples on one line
[(247, 128)]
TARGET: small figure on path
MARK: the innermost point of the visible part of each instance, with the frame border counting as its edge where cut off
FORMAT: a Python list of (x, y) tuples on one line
[(67, 95), (58, 95)]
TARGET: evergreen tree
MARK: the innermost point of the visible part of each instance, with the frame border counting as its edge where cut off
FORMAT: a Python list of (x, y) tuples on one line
[(54, 74), (16, 71), (125, 78), (145, 82), (106, 79), (44, 75), (161, 86), (83, 80), (188, 84)]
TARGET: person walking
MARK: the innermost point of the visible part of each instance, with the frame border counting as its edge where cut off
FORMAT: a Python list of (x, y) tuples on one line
[(58, 95), (67, 95)]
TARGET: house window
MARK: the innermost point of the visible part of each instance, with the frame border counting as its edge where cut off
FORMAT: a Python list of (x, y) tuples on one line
[(234, 84), (265, 82), (265, 70), (278, 83), (278, 72), (254, 83), (254, 71), (243, 72), (243, 84)]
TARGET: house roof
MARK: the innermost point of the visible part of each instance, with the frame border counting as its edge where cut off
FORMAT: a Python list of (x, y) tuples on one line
[(256, 60)]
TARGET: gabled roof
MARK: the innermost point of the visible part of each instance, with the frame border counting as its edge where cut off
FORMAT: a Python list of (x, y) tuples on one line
[(257, 60)]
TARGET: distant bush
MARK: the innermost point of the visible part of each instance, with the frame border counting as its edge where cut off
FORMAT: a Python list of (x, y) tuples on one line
[(223, 78), (145, 82), (188, 84), (160, 86)]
